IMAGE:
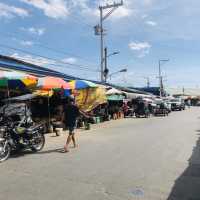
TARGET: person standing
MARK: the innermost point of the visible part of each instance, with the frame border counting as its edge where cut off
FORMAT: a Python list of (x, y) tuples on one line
[(71, 113), (189, 103)]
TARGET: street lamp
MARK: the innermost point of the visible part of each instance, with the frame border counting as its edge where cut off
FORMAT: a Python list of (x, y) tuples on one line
[(160, 75), (114, 53), (120, 71), (148, 81)]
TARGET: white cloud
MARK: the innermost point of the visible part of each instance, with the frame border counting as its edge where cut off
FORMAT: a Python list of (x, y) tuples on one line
[(42, 61), (37, 31), (151, 23), (34, 60), (56, 9), (8, 11), (26, 43), (122, 12), (138, 46), (60, 9), (33, 30), (148, 2), (92, 10), (141, 48), (70, 60)]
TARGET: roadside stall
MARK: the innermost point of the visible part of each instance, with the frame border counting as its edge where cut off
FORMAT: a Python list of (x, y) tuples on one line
[(55, 87), (115, 99)]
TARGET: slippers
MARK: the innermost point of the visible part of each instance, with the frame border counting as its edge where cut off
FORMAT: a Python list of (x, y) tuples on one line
[(76, 146), (66, 150)]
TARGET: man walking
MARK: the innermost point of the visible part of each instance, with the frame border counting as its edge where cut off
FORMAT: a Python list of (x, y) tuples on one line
[(71, 113)]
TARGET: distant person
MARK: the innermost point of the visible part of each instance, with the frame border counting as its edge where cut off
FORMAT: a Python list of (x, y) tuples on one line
[(71, 114), (125, 109), (189, 103)]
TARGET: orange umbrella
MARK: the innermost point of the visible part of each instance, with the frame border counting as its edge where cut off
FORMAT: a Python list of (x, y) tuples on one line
[(52, 83)]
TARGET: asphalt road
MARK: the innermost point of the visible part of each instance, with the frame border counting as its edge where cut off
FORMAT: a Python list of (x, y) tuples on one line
[(149, 159)]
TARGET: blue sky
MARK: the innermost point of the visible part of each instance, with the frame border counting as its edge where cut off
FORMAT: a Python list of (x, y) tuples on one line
[(144, 31)]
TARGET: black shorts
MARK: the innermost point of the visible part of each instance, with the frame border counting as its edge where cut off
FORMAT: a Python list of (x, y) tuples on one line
[(71, 129)]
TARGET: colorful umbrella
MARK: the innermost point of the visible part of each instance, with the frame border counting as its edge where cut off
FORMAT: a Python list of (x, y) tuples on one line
[(81, 84), (49, 83), (52, 83), (16, 80)]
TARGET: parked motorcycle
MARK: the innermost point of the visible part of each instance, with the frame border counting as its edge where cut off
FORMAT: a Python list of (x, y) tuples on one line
[(15, 138), (18, 132)]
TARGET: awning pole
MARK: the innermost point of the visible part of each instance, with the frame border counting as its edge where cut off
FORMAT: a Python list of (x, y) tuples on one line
[(49, 114)]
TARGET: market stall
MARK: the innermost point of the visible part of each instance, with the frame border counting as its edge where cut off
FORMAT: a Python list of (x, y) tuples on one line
[(115, 99)]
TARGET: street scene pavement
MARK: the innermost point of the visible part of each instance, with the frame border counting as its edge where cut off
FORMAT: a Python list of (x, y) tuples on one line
[(151, 159)]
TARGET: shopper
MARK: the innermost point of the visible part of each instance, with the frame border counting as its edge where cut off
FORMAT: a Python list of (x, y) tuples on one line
[(71, 113)]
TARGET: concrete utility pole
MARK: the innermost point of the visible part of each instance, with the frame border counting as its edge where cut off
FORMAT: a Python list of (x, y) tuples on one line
[(105, 61), (183, 90), (106, 71), (161, 77), (99, 30), (148, 81)]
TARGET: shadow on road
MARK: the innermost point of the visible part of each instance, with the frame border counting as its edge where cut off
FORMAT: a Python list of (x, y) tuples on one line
[(27, 152), (187, 186), (60, 150)]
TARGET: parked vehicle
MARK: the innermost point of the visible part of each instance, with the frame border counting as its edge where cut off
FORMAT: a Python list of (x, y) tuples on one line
[(177, 104), (18, 132), (161, 109), (168, 106), (142, 110)]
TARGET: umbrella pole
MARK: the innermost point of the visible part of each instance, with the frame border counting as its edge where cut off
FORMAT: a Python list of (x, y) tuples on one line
[(8, 93), (49, 114)]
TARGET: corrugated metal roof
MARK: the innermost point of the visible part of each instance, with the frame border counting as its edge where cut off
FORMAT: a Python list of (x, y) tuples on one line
[(184, 91), (7, 62), (10, 63)]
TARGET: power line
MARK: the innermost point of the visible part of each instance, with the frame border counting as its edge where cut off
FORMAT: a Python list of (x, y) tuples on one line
[(60, 66), (77, 19), (46, 47), (55, 60)]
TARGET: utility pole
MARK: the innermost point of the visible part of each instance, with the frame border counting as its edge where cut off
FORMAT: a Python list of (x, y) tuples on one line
[(101, 40), (99, 30), (161, 77), (183, 90), (106, 71), (148, 81)]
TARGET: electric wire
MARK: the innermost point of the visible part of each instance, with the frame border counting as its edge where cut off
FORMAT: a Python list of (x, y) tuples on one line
[(45, 57), (8, 35)]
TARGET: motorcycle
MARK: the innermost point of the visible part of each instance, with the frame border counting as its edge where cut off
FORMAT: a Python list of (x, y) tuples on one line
[(19, 135), (15, 138)]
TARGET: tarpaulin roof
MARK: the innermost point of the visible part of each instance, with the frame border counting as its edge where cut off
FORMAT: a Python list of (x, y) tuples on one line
[(88, 99), (113, 91), (115, 97), (136, 95)]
